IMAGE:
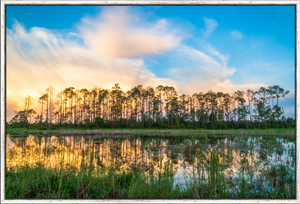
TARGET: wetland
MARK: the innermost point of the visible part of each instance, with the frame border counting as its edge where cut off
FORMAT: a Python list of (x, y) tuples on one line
[(127, 165)]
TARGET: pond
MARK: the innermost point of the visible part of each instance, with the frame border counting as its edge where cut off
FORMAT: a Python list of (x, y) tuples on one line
[(191, 158)]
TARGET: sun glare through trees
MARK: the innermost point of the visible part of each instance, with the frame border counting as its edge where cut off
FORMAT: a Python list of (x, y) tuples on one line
[(159, 107)]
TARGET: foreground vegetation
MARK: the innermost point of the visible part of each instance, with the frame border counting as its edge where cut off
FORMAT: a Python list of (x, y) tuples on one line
[(158, 108), (147, 166), (276, 181)]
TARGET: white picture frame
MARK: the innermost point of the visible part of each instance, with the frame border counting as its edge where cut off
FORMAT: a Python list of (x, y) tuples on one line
[(143, 2)]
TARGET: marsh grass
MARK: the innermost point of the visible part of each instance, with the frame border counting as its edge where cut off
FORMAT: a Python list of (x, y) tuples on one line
[(39, 182), (20, 131), (210, 159), (208, 180)]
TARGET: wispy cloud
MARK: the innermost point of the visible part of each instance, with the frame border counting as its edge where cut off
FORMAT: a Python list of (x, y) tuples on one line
[(236, 35), (224, 58), (202, 73), (261, 64), (210, 26)]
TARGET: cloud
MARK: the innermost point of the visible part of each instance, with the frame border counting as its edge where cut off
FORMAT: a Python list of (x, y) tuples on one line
[(223, 58), (125, 35), (39, 58), (203, 73), (210, 25), (236, 35)]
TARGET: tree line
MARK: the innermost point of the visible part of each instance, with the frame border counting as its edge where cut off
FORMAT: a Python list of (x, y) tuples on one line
[(160, 107)]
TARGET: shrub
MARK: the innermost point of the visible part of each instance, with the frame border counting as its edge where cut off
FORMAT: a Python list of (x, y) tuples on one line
[(210, 126), (190, 127), (222, 126), (173, 127), (165, 126), (42, 128)]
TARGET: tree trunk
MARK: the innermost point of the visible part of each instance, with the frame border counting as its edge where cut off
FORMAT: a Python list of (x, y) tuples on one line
[(94, 107), (265, 118), (47, 113), (41, 120), (202, 120), (61, 107), (135, 110)]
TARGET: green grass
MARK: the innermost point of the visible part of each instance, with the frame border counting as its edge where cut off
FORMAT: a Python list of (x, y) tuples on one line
[(18, 131), (255, 179), (38, 182)]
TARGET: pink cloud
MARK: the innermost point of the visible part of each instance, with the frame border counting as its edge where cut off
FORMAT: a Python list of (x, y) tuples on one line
[(124, 35)]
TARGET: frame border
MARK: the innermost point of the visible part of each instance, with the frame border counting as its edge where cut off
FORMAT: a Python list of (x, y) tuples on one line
[(4, 3)]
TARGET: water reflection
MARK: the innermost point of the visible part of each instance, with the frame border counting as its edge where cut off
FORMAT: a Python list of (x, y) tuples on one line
[(77, 152)]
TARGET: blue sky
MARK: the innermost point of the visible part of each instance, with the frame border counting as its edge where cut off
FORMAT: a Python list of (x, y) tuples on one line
[(194, 48)]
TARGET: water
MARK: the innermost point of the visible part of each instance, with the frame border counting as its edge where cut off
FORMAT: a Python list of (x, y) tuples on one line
[(129, 152)]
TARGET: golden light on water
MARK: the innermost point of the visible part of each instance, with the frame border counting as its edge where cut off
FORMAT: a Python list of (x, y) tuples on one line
[(75, 153)]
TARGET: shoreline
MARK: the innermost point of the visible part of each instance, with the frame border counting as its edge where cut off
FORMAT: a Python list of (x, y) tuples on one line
[(75, 131)]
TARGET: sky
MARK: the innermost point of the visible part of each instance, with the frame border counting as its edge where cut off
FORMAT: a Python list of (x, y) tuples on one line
[(192, 48)]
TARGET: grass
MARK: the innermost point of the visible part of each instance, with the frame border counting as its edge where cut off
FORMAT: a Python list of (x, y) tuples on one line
[(256, 178), (40, 182), (19, 131), (274, 182)]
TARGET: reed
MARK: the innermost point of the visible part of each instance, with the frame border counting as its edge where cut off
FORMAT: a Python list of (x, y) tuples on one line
[(92, 167), (207, 181)]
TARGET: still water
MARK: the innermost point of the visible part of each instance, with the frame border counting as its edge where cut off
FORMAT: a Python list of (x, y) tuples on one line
[(127, 152)]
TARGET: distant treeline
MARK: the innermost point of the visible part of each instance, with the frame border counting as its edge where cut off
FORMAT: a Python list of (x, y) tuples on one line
[(159, 107)]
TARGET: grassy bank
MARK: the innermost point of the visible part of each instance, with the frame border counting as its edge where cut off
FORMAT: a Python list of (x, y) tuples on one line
[(19, 131)]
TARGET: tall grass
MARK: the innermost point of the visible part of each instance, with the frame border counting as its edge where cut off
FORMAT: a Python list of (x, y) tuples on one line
[(39, 182), (208, 180), (209, 159)]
